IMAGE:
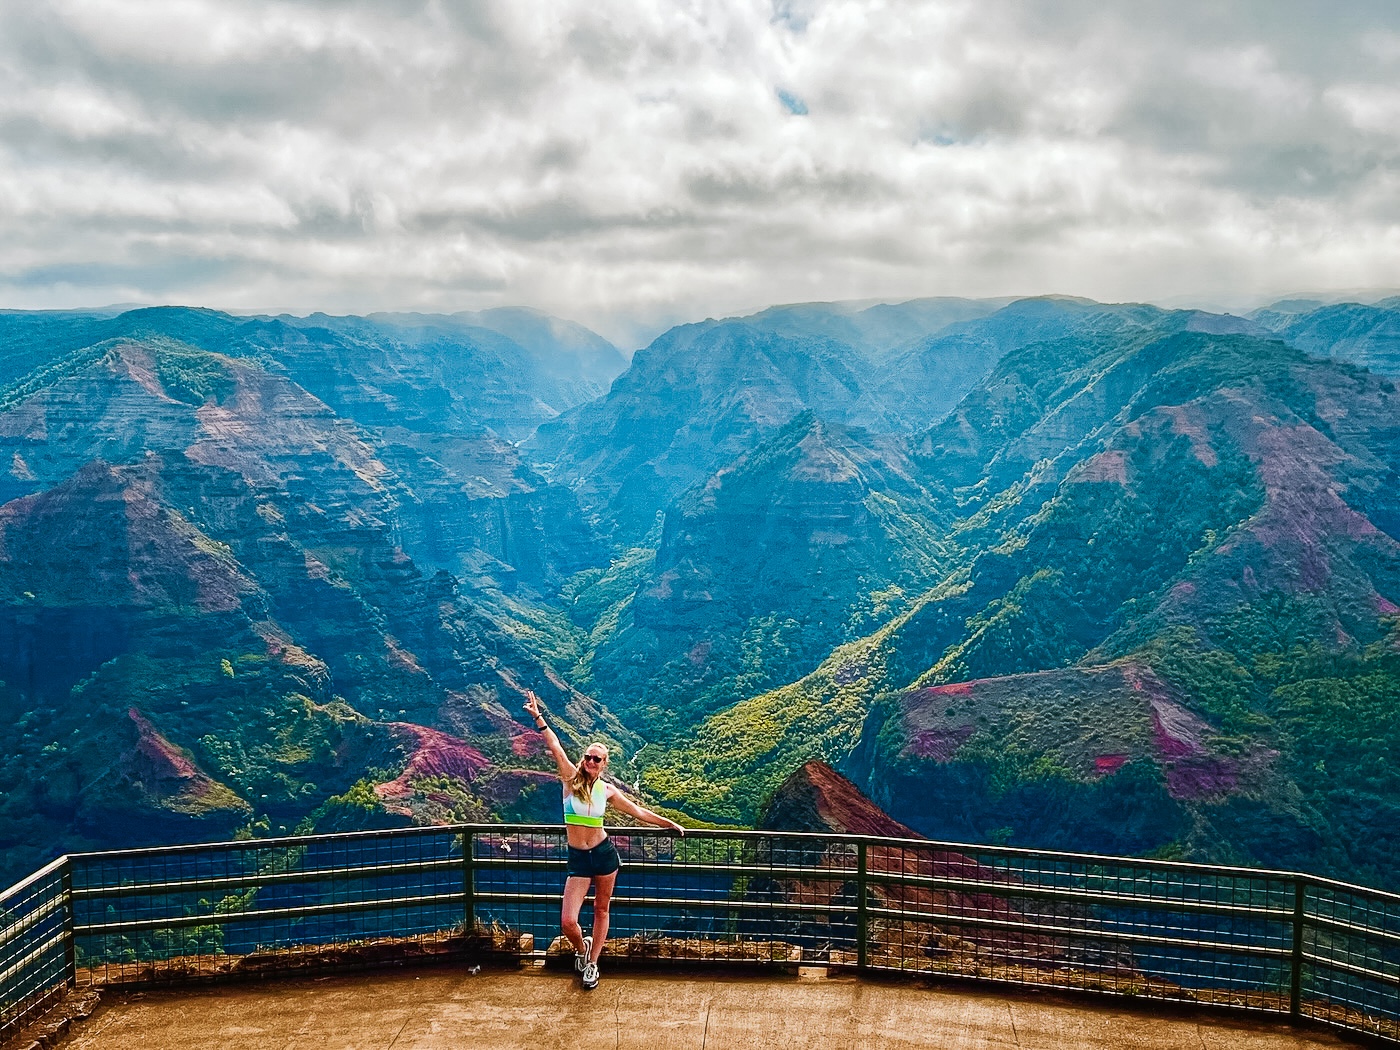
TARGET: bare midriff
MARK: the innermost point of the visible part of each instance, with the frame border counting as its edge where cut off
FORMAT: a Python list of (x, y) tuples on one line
[(581, 837)]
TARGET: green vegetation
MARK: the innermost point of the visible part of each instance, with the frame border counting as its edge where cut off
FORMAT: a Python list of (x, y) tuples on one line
[(542, 629), (49, 373), (732, 761), (737, 757), (592, 596), (356, 809), (1343, 735), (189, 374), (1097, 547), (1345, 732), (1216, 684), (1010, 764)]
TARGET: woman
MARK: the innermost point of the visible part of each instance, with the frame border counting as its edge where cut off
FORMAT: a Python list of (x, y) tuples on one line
[(592, 857)]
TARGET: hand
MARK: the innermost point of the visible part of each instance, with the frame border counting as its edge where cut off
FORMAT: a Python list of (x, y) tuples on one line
[(532, 703), (678, 829)]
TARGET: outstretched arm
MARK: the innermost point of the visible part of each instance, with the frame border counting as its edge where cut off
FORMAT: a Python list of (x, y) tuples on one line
[(619, 800), (551, 740)]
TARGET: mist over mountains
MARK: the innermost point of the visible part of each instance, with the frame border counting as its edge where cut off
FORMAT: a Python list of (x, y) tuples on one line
[(1045, 571)]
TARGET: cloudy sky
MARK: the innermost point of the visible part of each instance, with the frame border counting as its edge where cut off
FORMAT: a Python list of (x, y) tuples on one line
[(628, 163)]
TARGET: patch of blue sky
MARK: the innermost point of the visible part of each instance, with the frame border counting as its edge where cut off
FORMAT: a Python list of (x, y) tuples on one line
[(937, 135), (794, 16), (792, 103)]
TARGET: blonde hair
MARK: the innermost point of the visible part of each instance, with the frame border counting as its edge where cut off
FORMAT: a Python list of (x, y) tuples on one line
[(581, 784)]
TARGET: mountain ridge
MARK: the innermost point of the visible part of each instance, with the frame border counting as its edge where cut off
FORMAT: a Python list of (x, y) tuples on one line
[(1046, 572)]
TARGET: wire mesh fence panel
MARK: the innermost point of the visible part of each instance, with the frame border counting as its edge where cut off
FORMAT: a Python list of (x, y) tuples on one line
[(1091, 923), (150, 915), (518, 879), (807, 893), (34, 964), (1351, 957), (705, 896)]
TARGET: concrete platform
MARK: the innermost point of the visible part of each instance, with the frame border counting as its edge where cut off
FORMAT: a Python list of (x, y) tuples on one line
[(429, 1009)]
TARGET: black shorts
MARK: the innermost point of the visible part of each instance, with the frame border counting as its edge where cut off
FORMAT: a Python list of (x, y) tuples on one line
[(602, 859)]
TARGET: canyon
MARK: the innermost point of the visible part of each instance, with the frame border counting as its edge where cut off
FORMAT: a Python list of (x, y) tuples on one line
[(1045, 572)]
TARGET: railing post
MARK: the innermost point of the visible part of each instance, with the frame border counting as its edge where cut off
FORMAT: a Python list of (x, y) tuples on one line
[(1295, 985), (468, 882), (70, 948), (862, 924)]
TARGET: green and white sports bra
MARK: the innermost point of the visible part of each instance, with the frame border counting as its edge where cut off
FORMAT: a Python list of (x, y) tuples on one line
[(588, 811)]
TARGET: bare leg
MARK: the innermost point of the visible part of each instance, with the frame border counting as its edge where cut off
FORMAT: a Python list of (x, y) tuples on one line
[(602, 902), (575, 891)]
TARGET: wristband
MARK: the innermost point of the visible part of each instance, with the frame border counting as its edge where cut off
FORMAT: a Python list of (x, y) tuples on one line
[(541, 725)]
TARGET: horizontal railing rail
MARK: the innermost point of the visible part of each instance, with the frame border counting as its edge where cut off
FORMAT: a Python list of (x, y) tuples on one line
[(1274, 942)]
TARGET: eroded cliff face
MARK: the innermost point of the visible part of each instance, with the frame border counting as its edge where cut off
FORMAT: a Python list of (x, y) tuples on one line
[(815, 516), (224, 601), (703, 395), (691, 402), (816, 798), (792, 550)]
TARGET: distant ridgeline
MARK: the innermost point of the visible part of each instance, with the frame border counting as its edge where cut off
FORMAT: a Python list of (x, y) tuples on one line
[(1044, 572)]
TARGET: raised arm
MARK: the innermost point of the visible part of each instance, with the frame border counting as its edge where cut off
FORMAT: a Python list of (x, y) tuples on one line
[(619, 800), (561, 760)]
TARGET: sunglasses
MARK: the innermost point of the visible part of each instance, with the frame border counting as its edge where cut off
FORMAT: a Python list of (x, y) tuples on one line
[(594, 758)]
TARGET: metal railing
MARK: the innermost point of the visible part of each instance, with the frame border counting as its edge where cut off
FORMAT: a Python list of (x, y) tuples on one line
[(36, 942), (1272, 942)]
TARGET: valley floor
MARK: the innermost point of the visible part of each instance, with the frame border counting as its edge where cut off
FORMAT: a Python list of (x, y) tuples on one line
[(533, 1008)]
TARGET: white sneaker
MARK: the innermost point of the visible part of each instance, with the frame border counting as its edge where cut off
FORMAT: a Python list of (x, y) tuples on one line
[(581, 958), (590, 977)]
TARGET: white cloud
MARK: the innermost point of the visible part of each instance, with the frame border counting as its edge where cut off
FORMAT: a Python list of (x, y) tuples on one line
[(608, 160)]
